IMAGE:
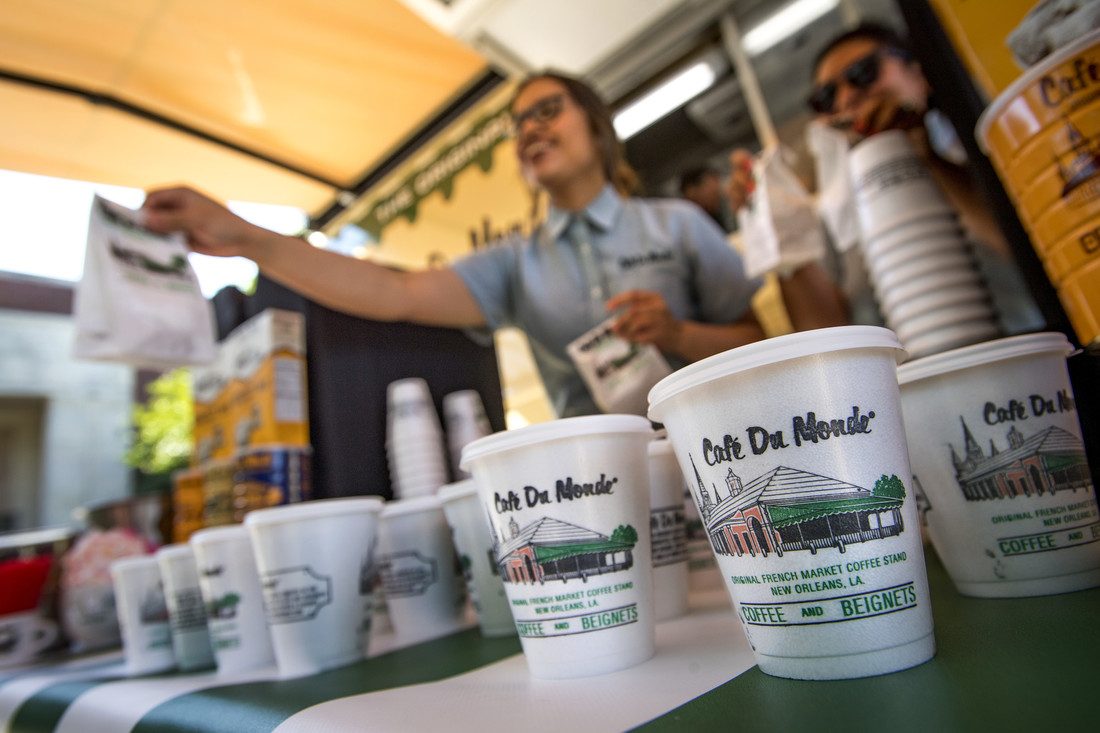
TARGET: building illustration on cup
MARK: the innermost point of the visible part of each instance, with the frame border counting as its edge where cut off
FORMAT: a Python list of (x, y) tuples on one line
[(773, 513), (1080, 163), (154, 609), (1046, 462), (550, 549)]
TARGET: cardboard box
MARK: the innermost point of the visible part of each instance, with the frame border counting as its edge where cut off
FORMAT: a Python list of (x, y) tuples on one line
[(255, 392)]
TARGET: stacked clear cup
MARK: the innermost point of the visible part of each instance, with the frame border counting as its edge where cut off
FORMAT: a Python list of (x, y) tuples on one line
[(414, 440), (923, 269)]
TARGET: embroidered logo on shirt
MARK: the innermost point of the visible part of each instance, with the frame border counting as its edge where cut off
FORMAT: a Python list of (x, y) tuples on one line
[(649, 258)]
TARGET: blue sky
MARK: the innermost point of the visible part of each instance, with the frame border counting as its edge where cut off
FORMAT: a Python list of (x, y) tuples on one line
[(44, 225)]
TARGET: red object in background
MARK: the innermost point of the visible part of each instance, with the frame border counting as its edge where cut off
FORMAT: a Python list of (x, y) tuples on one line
[(22, 582)]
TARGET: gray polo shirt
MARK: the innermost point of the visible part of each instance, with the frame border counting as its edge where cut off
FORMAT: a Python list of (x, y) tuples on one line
[(544, 284)]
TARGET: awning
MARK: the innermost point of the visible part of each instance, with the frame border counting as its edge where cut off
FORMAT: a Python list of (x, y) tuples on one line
[(280, 101), (784, 515)]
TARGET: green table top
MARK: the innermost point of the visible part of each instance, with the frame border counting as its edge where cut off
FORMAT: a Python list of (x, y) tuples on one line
[(1001, 665), (1015, 664)]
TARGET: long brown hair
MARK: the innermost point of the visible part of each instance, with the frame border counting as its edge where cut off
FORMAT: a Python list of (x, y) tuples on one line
[(615, 168)]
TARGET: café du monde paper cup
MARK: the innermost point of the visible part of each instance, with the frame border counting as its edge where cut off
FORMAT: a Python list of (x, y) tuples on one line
[(999, 467), (317, 562), (234, 600), (568, 507), (667, 532), (186, 611), (795, 451), (142, 615), (473, 542)]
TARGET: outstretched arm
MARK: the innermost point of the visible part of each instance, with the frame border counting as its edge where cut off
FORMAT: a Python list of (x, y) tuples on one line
[(357, 287)]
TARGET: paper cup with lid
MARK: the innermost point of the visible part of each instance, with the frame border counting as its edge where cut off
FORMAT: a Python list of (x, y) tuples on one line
[(142, 615), (568, 508), (469, 524), (418, 569), (234, 599), (317, 562), (795, 452), (186, 611), (668, 532), (1000, 467)]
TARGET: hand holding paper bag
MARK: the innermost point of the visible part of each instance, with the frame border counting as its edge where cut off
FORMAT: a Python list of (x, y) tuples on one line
[(139, 301)]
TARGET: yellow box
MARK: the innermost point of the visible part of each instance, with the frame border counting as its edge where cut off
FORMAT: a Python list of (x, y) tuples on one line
[(255, 392)]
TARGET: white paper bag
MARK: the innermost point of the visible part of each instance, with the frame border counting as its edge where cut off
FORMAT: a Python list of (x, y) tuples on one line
[(779, 225), (139, 301), (836, 198), (618, 373)]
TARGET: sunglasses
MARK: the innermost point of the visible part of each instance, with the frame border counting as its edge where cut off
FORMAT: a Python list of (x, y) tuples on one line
[(860, 74), (542, 111)]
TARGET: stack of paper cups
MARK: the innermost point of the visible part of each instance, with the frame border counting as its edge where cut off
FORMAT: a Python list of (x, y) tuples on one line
[(414, 440), (464, 416), (923, 270)]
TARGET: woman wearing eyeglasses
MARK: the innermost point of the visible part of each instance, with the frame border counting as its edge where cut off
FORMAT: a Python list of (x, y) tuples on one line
[(662, 266), (866, 81)]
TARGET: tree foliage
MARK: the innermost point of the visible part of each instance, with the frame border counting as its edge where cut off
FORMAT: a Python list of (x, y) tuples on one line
[(162, 427), (625, 533), (889, 487)]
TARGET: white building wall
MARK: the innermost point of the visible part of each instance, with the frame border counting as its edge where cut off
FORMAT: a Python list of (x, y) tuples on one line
[(88, 405)]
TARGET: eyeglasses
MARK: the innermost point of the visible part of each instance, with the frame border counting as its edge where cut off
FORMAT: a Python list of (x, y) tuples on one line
[(542, 111), (860, 74)]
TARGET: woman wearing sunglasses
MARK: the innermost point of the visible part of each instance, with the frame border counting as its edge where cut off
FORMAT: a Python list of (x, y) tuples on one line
[(662, 266), (866, 81)]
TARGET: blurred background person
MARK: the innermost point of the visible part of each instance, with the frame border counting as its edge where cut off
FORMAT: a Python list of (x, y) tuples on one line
[(867, 81)]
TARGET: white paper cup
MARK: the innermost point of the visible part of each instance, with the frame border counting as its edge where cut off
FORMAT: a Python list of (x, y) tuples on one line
[(914, 307), (935, 321), (316, 563), (568, 506), (23, 636), (186, 610), (885, 279), (473, 542), (996, 448), (906, 235), (919, 249), (798, 453), (892, 184), (951, 337), (142, 615), (419, 570), (234, 600), (668, 532), (967, 279), (465, 420)]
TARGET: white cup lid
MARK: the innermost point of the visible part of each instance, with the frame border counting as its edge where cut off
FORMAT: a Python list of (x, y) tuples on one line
[(569, 427), (134, 561), (212, 535), (315, 509), (398, 507), (175, 552), (457, 490), (983, 353), (769, 352)]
